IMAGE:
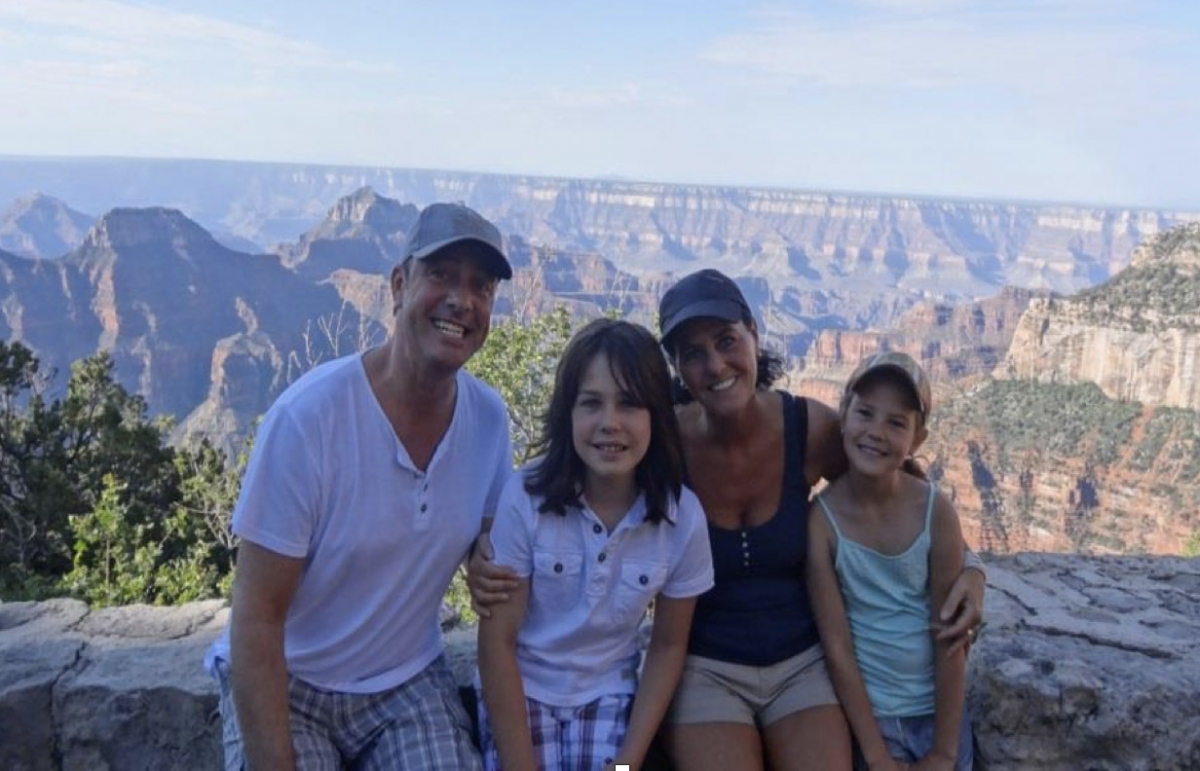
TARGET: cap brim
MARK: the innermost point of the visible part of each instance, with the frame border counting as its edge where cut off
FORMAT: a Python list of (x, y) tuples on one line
[(898, 369), (718, 308), (497, 263)]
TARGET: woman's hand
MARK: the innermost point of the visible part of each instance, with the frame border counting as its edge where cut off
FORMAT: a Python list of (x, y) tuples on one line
[(489, 583), (962, 611)]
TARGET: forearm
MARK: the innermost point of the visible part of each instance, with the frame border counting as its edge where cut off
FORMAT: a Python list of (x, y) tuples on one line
[(972, 561), (852, 694), (504, 697), (950, 694), (660, 675), (260, 693)]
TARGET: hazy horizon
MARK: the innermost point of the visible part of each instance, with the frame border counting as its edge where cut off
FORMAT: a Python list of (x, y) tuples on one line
[(1013, 100), (881, 194)]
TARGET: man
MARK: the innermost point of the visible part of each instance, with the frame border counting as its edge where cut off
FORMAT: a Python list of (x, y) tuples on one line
[(369, 480)]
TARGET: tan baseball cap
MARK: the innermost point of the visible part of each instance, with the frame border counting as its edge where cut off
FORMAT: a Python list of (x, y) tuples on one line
[(905, 365)]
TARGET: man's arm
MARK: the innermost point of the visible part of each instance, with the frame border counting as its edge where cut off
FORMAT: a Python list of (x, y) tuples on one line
[(490, 584), (263, 587)]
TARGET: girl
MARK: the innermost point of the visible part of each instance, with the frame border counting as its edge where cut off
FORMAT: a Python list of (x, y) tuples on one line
[(595, 529), (885, 552)]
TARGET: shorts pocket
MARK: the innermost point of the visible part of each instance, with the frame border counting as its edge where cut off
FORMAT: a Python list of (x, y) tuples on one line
[(639, 583), (557, 579)]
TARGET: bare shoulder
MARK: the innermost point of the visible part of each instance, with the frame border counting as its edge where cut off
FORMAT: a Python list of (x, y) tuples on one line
[(824, 455), (820, 415), (943, 507), (944, 526), (688, 416)]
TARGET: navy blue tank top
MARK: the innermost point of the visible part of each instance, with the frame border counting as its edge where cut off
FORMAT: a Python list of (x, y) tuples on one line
[(758, 613)]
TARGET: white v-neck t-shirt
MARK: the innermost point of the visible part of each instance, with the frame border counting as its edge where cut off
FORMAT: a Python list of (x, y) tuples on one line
[(329, 481)]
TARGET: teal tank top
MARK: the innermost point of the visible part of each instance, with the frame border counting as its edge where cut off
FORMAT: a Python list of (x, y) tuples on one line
[(887, 604)]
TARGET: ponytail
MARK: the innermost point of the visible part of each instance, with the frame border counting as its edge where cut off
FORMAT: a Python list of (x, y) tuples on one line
[(912, 467)]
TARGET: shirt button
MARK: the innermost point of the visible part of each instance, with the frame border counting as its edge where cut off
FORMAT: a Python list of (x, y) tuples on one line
[(643, 580), (557, 567), (602, 556), (597, 529), (423, 507)]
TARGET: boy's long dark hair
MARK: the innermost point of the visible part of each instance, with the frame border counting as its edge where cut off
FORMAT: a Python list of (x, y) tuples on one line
[(640, 368)]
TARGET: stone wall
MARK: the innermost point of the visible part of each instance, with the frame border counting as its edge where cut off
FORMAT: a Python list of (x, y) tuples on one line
[(1086, 663)]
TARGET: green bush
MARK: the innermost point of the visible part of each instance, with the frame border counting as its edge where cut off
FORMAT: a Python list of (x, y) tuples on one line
[(95, 504)]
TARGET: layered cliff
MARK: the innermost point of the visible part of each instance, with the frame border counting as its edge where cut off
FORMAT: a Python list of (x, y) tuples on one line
[(1137, 336), (849, 247), (952, 342), (1061, 423), (39, 226)]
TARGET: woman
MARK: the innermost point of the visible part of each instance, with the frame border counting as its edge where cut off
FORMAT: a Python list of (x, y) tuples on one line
[(754, 690)]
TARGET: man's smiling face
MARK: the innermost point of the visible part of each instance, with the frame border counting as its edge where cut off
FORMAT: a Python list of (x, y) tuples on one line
[(444, 305)]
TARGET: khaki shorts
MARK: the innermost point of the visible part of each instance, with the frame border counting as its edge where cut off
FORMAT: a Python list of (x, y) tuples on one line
[(712, 691)]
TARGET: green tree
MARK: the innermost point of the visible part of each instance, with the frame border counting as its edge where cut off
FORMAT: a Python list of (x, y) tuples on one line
[(35, 493), (114, 556), (519, 360), (200, 545)]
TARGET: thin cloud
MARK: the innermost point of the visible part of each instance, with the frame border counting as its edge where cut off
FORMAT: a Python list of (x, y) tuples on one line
[(991, 49), (110, 28), (622, 96)]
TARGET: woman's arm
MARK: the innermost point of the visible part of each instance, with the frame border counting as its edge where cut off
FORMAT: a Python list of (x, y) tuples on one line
[(824, 456), (830, 614), (962, 610), (945, 565), (660, 675), (503, 693)]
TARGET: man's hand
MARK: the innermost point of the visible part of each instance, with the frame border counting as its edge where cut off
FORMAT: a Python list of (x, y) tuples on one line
[(962, 611), (489, 583)]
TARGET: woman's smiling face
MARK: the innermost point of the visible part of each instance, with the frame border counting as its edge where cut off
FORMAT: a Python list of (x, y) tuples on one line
[(717, 361)]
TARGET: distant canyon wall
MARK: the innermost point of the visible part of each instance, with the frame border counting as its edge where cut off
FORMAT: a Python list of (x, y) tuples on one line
[(925, 245)]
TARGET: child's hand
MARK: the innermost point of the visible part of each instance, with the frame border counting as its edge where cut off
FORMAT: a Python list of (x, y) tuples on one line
[(934, 762), (489, 583), (889, 764)]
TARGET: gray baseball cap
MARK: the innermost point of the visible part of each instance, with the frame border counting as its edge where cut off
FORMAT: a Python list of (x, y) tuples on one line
[(441, 224)]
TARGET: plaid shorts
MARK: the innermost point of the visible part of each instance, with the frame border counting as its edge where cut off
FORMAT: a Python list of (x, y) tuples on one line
[(582, 738), (419, 724)]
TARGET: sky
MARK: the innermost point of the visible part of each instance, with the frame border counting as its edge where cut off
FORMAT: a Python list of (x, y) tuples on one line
[(1086, 101)]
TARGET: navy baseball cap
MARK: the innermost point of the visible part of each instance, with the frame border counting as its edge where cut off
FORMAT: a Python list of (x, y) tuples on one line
[(441, 224), (704, 294)]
